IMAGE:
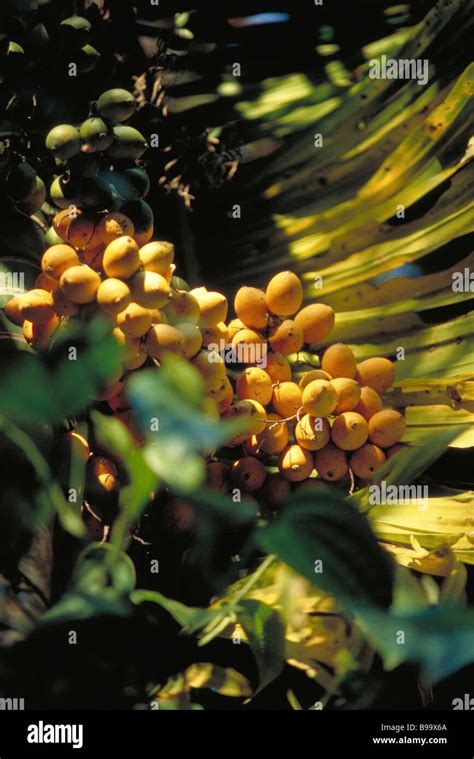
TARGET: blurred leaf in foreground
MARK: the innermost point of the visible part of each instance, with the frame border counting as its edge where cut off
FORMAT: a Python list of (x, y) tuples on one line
[(266, 635), (46, 388), (331, 544), (440, 638), (170, 406), (142, 481), (227, 681), (101, 584)]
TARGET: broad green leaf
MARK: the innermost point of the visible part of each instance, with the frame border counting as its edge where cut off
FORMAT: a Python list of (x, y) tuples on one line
[(169, 405), (437, 421), (408, 592), (84, 606), (49, 387), (17, 401), (408, 463), (447, 519), (108, 566), (219, 523), (85, 358), (440, 639), (142, 485), (400, 316), (457, 392), (99, 586), (142, 482), (350, 238), (172, 462), (266, 635), (235, 514), (331, 544), (47, 493), (113, 435), (190, 618), (429, 351)]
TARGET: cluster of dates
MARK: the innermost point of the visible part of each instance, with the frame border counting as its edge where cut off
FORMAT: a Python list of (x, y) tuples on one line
[(323, 427), (320, 428)]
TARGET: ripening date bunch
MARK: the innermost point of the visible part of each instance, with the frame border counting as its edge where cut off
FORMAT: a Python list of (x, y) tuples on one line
[(95, 165), (328, 423), (320, 428), (98, 162)]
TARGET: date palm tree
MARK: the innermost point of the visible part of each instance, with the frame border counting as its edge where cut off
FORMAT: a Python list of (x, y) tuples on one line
[(275, 146)]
